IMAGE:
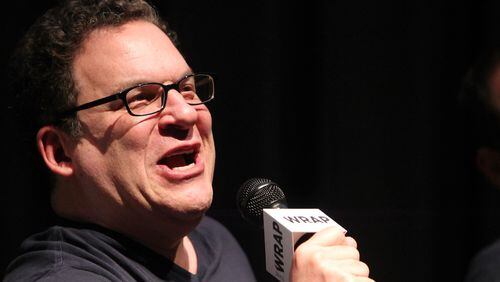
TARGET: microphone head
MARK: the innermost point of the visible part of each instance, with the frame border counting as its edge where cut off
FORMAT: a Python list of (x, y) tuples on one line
[(257, 194)]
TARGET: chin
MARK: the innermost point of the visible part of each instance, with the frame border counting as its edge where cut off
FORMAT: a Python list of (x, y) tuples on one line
[(195, 211), (188, 204), (200, 203)]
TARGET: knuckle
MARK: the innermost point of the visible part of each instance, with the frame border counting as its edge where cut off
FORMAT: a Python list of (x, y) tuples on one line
[(317, 257), (301, 251), (337, 232), (351, 242), (352, 253), (305, 256), (356, 253), (364, 269), (333, 231)]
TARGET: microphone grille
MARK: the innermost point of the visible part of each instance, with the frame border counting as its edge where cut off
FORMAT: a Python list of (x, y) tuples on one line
[(256, 194)]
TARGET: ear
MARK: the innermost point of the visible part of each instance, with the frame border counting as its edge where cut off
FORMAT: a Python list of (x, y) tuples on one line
[(488, 162), (53, 145)]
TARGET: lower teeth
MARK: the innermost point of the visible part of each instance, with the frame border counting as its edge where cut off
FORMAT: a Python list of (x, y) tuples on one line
[(184, 167)]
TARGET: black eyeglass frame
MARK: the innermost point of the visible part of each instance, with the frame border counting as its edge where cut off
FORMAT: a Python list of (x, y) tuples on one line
[(123, 94)]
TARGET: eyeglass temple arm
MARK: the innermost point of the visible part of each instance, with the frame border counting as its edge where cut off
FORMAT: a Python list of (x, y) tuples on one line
[(91, 104)]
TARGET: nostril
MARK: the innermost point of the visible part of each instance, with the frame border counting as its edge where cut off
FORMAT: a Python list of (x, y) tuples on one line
[(175, 132)]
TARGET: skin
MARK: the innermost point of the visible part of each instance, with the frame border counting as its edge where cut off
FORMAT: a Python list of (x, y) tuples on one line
[(112, 176), (329, 255)]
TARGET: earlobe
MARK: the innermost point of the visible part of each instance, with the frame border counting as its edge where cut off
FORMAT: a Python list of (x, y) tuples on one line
[(488, 162), (51, 143)]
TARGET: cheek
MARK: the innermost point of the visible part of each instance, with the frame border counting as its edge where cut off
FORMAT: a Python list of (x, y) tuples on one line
[(132, 144), (204, 124), (127, 144), (205, 129), (107, 129), (131, 132)]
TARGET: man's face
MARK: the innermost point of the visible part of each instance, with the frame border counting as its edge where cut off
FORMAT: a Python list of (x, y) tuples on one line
[(160, 164)]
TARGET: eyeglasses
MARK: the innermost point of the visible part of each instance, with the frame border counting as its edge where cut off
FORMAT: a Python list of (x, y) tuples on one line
[(150, 98)]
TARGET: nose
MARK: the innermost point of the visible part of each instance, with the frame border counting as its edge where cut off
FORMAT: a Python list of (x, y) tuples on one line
[(177, 112)]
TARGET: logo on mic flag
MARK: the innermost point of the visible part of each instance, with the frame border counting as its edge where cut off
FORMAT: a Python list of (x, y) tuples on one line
[(282, 229)]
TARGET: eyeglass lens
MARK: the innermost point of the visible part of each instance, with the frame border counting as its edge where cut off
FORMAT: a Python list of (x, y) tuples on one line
[(148, 98)]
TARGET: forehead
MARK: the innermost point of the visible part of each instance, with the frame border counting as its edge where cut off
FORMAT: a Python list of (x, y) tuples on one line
[(114, 58)]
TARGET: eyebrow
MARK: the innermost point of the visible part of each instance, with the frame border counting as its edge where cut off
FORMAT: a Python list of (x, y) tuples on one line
[(131, 83), (125, 85)]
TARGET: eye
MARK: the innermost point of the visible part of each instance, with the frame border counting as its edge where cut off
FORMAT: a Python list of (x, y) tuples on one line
[(188, 87), (188, 91), (143, 95), (116, 105)]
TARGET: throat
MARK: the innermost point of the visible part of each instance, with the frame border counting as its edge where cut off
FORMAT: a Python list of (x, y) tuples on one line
[(186, 256)]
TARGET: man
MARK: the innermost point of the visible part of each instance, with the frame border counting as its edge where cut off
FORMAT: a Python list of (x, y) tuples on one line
[(125, 131), (480, 102)]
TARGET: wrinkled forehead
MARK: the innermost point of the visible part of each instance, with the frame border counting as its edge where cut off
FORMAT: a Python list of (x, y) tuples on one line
[(115, 58)]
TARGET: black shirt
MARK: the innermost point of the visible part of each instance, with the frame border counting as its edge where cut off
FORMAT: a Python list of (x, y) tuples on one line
[(485, 267), (85, 252)]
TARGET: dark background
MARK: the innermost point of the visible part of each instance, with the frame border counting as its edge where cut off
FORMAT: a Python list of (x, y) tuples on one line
[(349, 105)]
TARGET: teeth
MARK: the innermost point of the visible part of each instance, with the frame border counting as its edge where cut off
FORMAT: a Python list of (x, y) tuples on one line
[(181, 168), (182, 153)]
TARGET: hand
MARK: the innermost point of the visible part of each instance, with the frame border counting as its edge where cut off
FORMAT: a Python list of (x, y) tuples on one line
[(329, 256)]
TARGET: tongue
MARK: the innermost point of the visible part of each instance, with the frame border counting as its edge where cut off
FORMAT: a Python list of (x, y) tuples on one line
[(175, 161)]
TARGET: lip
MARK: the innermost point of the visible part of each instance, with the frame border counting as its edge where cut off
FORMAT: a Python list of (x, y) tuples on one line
[(185, 174)]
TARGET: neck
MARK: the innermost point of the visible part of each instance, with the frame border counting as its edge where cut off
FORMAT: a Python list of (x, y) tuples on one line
[(186, 256), (165, 236)]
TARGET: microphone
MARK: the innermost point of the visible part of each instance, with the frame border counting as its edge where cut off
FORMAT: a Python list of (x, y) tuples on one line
[(257, 194), (263, 203)]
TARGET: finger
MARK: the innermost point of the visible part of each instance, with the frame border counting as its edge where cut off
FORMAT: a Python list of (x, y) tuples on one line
[(363, 279), (349, 241), (328, 237), (354, 267), (339, 252)]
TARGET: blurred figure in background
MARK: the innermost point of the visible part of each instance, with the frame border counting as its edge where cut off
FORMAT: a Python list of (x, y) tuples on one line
[(480, 102)]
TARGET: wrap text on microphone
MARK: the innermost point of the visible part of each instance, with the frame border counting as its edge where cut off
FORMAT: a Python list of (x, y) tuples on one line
[(307, 219), (278, 247)]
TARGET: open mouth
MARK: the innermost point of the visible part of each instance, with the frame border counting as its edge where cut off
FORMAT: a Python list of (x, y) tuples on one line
[(180, 161)]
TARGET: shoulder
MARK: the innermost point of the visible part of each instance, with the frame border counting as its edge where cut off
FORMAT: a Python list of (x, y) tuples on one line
[(55, 274), (485, 266), (40, 257), (60, 254)]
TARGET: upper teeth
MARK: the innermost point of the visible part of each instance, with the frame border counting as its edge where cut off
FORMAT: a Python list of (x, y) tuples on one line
[(182, 153)]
